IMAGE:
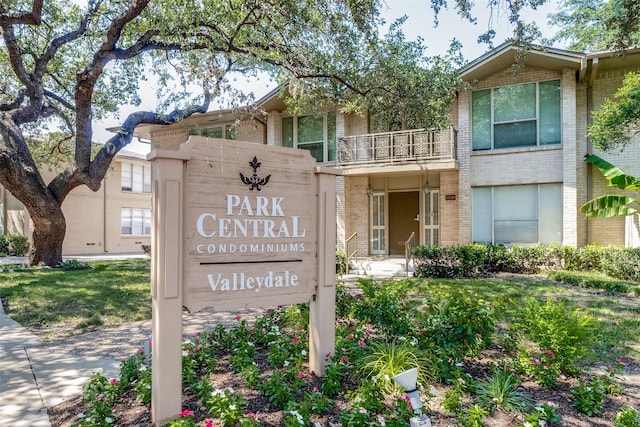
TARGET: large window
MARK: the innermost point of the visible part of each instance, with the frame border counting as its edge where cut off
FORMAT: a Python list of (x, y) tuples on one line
[(136, 177), (517, 214), (516, 116), (316, 133), (135, 222)]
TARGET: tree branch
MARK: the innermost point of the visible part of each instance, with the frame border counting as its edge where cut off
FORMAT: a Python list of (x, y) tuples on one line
[(28, 18)]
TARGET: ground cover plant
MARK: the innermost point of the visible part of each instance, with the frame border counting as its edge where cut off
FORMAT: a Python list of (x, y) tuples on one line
[(521, 352)]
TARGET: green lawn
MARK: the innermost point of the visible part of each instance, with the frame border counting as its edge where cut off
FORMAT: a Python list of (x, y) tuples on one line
[(54, 302), (58, 302)]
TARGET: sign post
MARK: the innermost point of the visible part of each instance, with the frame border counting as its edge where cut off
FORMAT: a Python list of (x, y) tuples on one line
[(237, 225)]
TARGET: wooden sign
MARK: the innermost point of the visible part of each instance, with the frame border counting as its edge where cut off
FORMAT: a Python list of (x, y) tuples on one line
[(235, 225), (250, 226)]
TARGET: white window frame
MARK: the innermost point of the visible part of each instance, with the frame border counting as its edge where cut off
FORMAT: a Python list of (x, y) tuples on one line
[(135, 177), (325, 134), (538, 220), (537, 118), (137, 221)]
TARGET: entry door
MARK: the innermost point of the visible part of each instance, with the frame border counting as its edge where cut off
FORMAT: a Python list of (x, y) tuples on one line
[(432, 218), (404, 219)]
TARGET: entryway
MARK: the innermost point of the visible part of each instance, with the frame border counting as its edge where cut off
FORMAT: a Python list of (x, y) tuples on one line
[(404, 219)]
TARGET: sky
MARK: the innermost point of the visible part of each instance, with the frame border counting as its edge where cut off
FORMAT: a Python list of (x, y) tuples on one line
[(420, 23)]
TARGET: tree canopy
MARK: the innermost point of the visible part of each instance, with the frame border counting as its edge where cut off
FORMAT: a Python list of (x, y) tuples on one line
[(65, 64), (595, 25)]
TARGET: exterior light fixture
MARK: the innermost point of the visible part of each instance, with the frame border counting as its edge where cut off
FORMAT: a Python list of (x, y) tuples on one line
[(369, 191), (426, 188), (408, 380)]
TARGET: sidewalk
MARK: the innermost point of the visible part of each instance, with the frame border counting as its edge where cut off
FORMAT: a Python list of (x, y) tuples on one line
[(33, 379)]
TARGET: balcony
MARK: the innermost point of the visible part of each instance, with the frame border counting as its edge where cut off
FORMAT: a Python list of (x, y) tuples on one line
[(407, 146)]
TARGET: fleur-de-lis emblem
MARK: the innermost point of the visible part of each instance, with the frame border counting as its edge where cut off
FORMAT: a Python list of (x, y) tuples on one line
[(254, 181)]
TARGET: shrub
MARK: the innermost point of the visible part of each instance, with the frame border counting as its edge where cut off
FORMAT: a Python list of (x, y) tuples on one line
[(452, 261), (383, 304), (623, 263), (13, 245), (457, 320), (555, 327), (341, 263)]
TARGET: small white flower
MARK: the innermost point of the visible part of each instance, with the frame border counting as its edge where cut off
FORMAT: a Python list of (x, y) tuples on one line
[(232, 407), (81, 415), (432, 391), (527, 424), (108, 420), (286, 363), (231, 390), (185, 353), (459, 364), (542, 423), (303, 352), (143, 368)]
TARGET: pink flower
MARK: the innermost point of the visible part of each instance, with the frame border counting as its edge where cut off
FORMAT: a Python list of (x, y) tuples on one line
[(301, 375), (328, 355), (186, 413), (198, 333), (316, 389), (113, 380), (536, 362), (150, 342), (208, 423), (349, 337), (361, 343), (238, 317), (550, 353), (250, 415), (622, 362), (345, 358), (295, 341)]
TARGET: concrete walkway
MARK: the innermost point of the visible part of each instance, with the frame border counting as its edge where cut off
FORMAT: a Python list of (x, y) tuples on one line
[(33, 379)]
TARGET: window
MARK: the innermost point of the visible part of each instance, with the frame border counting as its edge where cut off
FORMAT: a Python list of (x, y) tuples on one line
[(316, 133), (516, 116), (136, 177), (135, 222), (224, 131), (517, 214)]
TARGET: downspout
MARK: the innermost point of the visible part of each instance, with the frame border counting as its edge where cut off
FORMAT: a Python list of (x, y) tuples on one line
[(592, 79)]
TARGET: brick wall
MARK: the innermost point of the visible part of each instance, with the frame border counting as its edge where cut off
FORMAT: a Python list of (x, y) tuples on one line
[(357, 211), (611, 231), (449, 218)]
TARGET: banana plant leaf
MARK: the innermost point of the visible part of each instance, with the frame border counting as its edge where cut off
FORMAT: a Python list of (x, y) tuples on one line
[(614, 175), (610, 205)]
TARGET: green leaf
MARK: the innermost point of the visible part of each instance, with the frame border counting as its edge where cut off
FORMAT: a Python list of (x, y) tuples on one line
[(609, 206)]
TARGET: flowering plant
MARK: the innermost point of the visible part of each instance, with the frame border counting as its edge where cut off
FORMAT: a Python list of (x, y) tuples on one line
[(589, 395)]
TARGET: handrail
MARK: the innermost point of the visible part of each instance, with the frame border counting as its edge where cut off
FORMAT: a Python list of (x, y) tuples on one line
[(352, 249), (409, 244)]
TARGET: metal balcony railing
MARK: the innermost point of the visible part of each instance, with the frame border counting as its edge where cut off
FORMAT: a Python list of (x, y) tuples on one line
[(396, 147)]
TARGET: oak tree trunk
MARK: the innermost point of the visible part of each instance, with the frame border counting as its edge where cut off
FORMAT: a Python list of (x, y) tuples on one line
[(47, 238)]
